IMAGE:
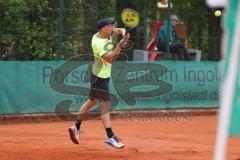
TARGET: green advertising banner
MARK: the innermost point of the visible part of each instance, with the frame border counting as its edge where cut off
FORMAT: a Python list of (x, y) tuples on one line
[(42, 86)]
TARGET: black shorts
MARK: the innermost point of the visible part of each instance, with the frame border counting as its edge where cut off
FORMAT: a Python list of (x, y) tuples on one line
[(99, 88)]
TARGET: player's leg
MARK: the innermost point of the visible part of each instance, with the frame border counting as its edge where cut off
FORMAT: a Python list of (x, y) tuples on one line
[(83, 110), (105, 116), (74, 130), (111, 139)]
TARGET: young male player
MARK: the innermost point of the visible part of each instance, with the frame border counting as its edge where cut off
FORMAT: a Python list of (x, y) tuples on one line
[(101, 69)]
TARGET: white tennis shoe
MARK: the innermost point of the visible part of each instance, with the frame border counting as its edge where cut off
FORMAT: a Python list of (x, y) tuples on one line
[(74, 134), (114, 142)]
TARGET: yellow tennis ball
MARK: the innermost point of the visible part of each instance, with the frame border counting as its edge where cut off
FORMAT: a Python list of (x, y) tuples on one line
[(218, 13)]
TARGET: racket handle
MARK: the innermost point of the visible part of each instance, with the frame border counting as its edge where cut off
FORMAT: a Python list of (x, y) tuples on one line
[(128, 30)]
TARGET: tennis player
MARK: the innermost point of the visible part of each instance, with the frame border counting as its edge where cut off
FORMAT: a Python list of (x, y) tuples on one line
[(101, 70)]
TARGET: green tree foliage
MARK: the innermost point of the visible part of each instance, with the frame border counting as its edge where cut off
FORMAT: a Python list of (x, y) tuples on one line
[(29, 30)]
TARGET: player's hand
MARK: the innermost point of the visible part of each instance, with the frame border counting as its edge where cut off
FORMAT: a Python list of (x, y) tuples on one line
[(119, 31), (123, 31), (124, 40)]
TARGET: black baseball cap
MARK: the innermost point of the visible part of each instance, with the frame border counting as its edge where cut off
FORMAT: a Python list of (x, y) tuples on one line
[(103, 22)]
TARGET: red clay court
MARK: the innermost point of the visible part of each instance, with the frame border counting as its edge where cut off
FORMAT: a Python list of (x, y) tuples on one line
[(151, 140)]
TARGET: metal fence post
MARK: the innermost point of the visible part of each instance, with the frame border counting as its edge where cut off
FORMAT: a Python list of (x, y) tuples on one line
[(60, 28), (168, 28), (145, 24)]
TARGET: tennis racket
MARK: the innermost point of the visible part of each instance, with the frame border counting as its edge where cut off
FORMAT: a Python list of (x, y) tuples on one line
[(130, 19)]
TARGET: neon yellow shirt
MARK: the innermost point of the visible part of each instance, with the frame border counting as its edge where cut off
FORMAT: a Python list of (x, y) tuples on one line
[(101, 68)]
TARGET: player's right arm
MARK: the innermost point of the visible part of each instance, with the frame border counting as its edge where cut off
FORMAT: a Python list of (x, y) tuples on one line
[(112, 55)]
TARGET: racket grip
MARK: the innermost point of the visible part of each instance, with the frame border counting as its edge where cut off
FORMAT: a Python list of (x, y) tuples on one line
[(128, 30)]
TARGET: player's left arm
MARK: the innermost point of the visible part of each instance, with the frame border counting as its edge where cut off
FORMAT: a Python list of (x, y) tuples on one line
[(119, 31)]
